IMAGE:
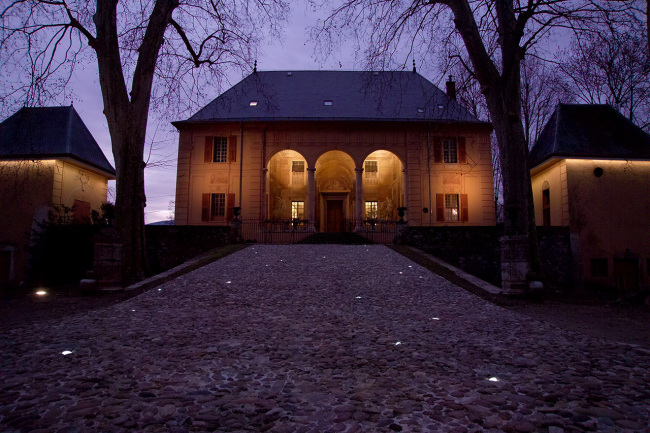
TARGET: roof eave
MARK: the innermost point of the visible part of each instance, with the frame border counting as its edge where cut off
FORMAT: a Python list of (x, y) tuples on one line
[(111, 175)]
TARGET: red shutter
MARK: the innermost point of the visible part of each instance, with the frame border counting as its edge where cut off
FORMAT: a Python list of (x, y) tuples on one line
[(207, 152), (232, 148), (437, 149), (205, 207), (464, 215), (462, 153), (440, 207), (230, 203)]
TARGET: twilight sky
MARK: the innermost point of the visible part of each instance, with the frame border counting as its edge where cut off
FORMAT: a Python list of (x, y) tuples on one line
[(294, 52)]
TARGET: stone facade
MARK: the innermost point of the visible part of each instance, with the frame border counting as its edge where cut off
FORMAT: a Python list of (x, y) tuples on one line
[(353, 170)]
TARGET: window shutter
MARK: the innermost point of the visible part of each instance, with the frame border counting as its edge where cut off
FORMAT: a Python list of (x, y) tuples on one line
[(207, 152), (462, 153), (205, 207), (232, 148), (230, 203), (437, 149), (440, 207), (464, 215)]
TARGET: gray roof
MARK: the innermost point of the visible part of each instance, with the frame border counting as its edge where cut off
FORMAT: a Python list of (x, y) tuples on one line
[(589, 131), (50, 132), (302, 95)]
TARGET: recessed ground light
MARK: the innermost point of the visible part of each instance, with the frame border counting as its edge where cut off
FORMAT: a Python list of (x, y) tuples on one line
[(327, 103), (253, 104)]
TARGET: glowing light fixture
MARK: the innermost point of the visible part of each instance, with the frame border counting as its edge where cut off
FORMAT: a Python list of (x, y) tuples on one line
[(66, 352), (41, 293), (399, 343), (132, 310), (228, 282), (253, 104), (435, 318), (493, 379), (358, 297)]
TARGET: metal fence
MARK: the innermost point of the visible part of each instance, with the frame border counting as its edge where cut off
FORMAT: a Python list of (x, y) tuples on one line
[(294, 231), (275, 231), (377, 231)]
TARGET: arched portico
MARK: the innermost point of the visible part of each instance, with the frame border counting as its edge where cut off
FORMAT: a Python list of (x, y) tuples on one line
[(287, 186), (383, 185), (335, 190)]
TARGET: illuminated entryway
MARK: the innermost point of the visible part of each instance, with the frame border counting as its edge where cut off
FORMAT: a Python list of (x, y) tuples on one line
[(383, 190), (335, 190), (287, 186)]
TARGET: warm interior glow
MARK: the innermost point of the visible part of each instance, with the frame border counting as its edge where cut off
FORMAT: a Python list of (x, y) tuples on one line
[(41, 292)]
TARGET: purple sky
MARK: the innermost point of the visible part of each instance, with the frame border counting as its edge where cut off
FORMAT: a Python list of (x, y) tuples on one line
[(294, 52)]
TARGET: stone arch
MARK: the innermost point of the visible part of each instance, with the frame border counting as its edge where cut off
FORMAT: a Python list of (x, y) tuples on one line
[(335, 190), (383, 185), (286, 180)]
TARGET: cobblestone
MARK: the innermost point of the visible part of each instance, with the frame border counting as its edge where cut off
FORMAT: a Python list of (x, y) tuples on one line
[(313, 339)]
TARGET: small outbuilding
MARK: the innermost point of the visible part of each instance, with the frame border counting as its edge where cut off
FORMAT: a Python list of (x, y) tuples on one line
[(48, 157), (590, 171)]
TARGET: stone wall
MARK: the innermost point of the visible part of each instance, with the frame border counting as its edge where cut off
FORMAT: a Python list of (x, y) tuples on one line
[(169, 246), (476, 250)]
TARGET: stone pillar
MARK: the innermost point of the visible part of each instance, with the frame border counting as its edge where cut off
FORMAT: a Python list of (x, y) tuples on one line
[(359, 198), (263, 202), (405, 187), (311, 197), (515, 264)]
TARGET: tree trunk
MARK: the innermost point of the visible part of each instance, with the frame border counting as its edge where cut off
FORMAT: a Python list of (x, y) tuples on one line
[(126, 114), (130, 198)]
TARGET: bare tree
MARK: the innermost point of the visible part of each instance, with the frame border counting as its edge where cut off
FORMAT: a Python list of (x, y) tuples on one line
[(541, 91), (147, 54), (496, 35), (611, 67)]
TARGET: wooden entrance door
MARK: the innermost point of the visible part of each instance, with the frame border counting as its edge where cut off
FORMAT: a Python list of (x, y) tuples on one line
[(626, 273), (335, 216)]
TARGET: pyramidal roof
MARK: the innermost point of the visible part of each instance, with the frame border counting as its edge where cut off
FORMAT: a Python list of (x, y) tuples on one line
[(50, 132), (589, 131), (333, 95)]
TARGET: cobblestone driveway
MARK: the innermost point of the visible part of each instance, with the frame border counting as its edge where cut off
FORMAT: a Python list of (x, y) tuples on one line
[(315, 339)]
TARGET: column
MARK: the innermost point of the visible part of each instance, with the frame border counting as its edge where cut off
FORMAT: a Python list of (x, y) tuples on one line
[(405, 187), (264, 206), (311, 195), (359, 201)]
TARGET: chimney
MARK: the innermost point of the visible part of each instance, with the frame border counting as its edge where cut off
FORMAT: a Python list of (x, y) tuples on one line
[(451, 88)]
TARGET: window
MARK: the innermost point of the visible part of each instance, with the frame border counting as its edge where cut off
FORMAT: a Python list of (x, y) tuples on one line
[(449, 151), (546, 207), (217, 206), (371, 171), (451, 207), (220, 149), (599, 267), (298, 210), (298, 173), (371, 209)]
